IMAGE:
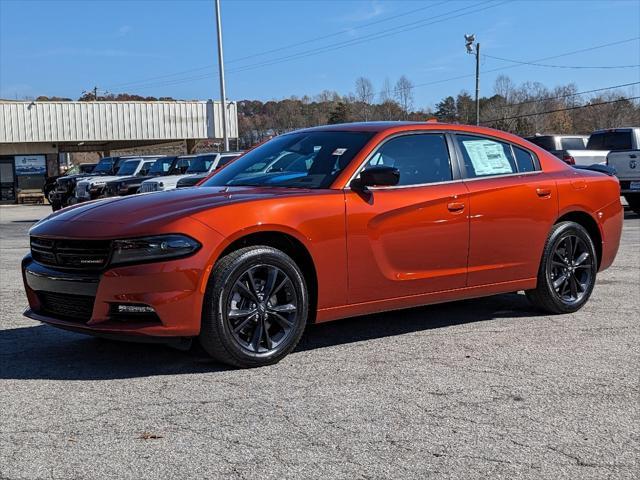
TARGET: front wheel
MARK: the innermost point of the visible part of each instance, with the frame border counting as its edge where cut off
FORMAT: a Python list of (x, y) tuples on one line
[(567, 272), (255, 308)]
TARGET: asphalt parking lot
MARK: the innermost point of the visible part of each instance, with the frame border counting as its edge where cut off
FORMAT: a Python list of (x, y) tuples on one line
[(476, 389)]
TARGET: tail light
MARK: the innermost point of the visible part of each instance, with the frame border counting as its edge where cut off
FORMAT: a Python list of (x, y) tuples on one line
[(569, 159)]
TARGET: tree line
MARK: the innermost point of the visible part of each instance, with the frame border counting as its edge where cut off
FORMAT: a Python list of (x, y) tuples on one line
[(524, 109)]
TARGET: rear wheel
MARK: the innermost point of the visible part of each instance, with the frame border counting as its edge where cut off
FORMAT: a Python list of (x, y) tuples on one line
[(567, 272), (255, 309), (633, 199)]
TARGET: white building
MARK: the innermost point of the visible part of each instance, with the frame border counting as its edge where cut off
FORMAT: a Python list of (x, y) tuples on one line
[(33, 134)]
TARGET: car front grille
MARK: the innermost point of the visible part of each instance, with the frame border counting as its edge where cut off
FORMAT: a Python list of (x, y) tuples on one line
[(111, 190), (74, 254), (64, 187), (82, 190), (149, 187), (77, 308)]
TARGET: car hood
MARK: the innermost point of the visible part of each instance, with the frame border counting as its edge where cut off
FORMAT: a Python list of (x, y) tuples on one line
[(101, 179), (130, 180), (144, 212), (173, 179)]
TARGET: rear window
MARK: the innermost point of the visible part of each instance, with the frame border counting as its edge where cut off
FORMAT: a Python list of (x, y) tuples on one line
[(543, 142), (572, 143), (610, 141)]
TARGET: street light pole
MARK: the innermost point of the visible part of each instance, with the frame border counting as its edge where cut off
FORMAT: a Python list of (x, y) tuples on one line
[(478, 83), (223, 94), (469, 39)]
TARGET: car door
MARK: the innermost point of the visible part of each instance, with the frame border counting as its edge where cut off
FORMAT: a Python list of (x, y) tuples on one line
[(411, 238), (512, 206)]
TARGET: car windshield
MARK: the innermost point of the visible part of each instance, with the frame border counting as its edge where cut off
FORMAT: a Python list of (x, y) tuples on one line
[(201, 164), (128, 168), (296, 160), (104, 166), (161, 166)]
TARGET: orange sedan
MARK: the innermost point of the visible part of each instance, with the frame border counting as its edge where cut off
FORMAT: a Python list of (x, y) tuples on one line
[(326, 223)]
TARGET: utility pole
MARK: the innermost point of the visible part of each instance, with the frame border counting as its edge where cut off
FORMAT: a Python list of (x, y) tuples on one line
[(94, 92), (469, 39), (223, 94)]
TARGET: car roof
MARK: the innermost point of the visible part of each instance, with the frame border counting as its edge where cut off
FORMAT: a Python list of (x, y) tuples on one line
[(364, 126)]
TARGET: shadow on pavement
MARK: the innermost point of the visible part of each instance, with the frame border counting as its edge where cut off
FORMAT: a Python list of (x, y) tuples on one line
[(43, 352)]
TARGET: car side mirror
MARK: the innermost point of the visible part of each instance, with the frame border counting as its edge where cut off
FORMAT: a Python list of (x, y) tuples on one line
[(376, 177)]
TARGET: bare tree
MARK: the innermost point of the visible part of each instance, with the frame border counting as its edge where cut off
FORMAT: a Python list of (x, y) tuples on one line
[(364, 95), (404, 94), (386, 94)]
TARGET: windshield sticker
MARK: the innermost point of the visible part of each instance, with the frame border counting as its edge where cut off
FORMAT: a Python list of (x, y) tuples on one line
[(487, 157), (339, 151)]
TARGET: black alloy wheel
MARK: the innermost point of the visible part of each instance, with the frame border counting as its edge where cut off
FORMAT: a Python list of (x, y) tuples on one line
[(255, 308), (262, 308), (568, 269)]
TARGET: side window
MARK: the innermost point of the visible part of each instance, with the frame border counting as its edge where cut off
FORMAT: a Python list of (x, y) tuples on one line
[(484, 157), (182, 164), (420, 158), (524, 160)]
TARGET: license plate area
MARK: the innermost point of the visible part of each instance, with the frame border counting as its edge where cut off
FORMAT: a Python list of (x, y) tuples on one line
[(634, 185)]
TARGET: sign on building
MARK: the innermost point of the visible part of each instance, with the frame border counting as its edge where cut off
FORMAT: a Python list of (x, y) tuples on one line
[(30, 165)]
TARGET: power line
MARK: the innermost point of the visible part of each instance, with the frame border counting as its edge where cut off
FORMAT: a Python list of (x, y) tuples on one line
[(373, 36), (562, 66), (559, 97), (561, 110), (331, 47), (335, 34), (497, 69), (284, 47)]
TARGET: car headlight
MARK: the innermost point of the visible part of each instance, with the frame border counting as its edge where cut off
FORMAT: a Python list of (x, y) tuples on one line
[(145, 249)]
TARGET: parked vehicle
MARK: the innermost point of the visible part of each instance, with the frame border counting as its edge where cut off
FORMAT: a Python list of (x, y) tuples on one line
[(558, 145), (93, 187), (49, 186), (191, 180), (386, 216), (601, 142), (199, 164), (66, 185), (163, 166)]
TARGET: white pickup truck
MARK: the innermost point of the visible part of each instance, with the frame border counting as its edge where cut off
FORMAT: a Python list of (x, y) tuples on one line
[(619, 148)]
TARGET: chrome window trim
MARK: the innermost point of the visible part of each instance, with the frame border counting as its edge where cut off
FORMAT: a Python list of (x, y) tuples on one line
[(404, 134), (489, 177)]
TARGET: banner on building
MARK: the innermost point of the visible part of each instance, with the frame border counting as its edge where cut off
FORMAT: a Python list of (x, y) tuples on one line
[(31, 165)]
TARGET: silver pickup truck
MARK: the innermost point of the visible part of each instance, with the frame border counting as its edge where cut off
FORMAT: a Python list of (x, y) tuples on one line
[(619, 148)]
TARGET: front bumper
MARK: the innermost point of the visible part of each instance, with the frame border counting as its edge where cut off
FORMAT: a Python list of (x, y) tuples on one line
[(625, 187), (87, 302)]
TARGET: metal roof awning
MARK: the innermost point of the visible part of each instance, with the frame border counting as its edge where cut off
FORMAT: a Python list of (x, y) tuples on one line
[(78, 126)]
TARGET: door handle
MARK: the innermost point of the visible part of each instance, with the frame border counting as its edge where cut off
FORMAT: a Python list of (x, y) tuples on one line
[(633, 155), (455, 206), (543, 192)]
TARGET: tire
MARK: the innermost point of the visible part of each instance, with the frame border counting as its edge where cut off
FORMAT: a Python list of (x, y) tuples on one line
[(567, 272), (242, 324), (633, 199)]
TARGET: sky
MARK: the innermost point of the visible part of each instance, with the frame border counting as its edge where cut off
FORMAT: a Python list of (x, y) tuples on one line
[(278, 48)]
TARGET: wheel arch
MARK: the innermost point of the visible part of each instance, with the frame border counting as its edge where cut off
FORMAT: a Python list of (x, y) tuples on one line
[(590, 225), (290, 245)]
